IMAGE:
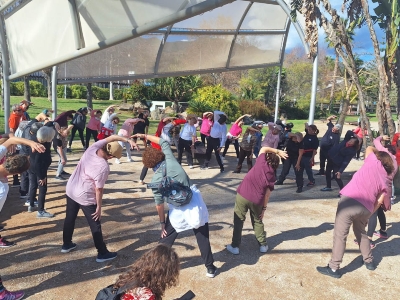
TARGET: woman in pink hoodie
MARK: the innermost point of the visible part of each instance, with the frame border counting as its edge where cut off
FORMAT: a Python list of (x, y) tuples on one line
[(126, 131)]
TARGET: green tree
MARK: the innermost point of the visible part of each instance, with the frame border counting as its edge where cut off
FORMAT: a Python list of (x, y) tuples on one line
[(176, 89), (218, 98)]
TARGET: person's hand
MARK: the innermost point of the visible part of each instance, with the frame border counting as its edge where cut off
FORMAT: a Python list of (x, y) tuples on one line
[(43, 182), (219, 149), (261, 216), (97, 214), (282, 154), (133, 145), (247, 115), (37, 147), (12, 149), (297, 167), (386, 138), (163, 231), (63, 162), (337, 175)]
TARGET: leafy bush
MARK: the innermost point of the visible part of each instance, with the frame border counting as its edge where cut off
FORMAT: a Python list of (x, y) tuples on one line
[(218, 98), (60, 91), (36, 88), (256, 108), (100, 93), (117, 94), (198, 107), (17, 88), (294, 113), (78, 91)]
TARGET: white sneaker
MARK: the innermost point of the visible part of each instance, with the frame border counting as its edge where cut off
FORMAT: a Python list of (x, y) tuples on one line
[(263, 248), (191, 167), (117, 161), (141, 181), (129, 160), (233, 250)]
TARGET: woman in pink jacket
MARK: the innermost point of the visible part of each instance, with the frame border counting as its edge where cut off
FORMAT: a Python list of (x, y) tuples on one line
[(126, 131), (94, 126)]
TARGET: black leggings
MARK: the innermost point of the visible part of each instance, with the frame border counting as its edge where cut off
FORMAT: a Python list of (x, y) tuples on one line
[(185, 145), (203, 138), (89, 133), (380, 213), (213, 144), (80, 131), (235, 143), (143, 173), (359, 150)]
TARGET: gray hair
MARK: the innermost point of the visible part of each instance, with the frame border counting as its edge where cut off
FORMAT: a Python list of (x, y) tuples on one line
[(35, 127), (15, 107), (45, 134)]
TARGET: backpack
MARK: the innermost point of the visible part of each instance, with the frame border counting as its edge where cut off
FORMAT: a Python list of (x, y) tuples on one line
[(109, 293), (173, 192)]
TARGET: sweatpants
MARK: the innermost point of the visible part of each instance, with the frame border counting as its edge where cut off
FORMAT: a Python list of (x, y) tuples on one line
[(95, 226), (203, 240), (350, 212), (242, 205)]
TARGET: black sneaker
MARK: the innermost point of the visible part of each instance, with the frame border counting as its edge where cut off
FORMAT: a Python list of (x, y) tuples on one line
[(5, 244), (236, 171), (311, 183), (278, 182), (222, 170), (370, 266), (106, 256), (328, 271), (211, 271), (299, 190), (68, 248), (65, 173)]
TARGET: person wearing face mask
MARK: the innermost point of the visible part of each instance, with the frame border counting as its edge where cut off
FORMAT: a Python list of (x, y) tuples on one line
[(187, 138), (307, 150), (93, 127), (338, 159)]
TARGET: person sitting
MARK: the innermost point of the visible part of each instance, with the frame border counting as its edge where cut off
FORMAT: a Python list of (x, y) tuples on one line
[(150, 275)]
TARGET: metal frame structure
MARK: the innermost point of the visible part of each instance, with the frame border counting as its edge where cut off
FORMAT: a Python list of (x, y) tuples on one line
[(163, 26)]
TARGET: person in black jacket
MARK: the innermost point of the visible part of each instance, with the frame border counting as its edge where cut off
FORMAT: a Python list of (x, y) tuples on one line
[(79, 122), (330, 139), (40, 163), (338, 159)]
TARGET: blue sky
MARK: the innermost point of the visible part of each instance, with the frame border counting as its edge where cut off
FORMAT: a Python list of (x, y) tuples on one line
[(362, 39)]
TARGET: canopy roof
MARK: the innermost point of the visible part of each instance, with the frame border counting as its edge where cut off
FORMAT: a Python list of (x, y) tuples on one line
[(143, 38)]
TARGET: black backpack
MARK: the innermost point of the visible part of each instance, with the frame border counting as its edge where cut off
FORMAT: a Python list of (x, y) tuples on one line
[(109, 293), (173, 192)]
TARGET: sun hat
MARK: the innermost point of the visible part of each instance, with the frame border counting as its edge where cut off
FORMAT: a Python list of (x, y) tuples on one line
[(114, 149)]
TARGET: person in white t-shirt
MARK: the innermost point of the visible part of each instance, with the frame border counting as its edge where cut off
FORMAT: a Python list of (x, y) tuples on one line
[(12, 165), (187, 138), (85, 191)]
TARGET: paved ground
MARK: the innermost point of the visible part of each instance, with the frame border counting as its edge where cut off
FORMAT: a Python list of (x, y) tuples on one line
[(299, 229)]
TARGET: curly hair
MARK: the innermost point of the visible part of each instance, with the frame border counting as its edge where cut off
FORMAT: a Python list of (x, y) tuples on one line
[(386, 161), (17, 164), (272, 159), (157, 269), (151, 157)]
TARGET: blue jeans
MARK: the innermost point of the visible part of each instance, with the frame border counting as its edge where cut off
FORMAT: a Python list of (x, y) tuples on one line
[(306, 165)]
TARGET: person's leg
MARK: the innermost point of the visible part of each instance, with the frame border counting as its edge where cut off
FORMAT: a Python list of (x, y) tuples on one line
[(24, 188), (323, 156), (308, 168), (60, 166), (299, 175), (242, 156), (128, 151), (236, 145), (169, 239), (285, 170), (73, 132), (203, 241), (209, 150), (71, 213), (33, 185), (217, 154), (338, 180), (359, 149), (258, 225), (88, 134), (41, 196), (239, 216), (249, 155), (95, 227), (359, 222), (188, 152), (203, 138), (181, 146), (143, 173), (382, 218), (7, 295), (95, 133), (329, 168), (80, 131), (372, 221), (227, 143)]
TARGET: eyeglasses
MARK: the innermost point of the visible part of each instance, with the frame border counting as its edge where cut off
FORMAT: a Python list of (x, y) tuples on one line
[(18, 110)]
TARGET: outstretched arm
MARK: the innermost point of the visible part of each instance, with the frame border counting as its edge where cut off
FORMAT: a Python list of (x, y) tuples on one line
[(21, 141), (240, 118), (118, 138), (278, 152)]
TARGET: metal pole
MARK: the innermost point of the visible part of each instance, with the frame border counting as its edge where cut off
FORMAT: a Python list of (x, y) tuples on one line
[(76, 25), (6, 72), (111, 91), (278, 92), (313, 90), (54, 91), (65, 78)]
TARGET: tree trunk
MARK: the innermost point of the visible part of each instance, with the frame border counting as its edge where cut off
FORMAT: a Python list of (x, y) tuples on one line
[(383, 111), (47, 76), (397, 82), (335, 70), (89, 95), (27, 91), (346, 103)]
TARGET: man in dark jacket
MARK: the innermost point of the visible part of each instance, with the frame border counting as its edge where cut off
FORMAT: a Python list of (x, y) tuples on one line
[(339, 157), (330, 139), (79, 122)]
